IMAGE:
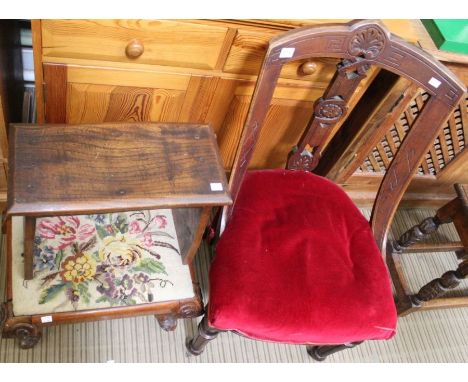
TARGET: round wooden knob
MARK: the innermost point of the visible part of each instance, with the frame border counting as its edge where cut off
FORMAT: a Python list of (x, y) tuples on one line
[(308, 67), (134, 49)]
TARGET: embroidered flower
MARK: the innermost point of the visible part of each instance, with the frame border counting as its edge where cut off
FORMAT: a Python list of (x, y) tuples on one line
[(99, 218), (148, 239), (110, 229), (78, 268), (108, 288), (118, 289), (44, 258), (141, 278), (160, 220), (73, 295), (135, 227), (120, 250), (64, 230)]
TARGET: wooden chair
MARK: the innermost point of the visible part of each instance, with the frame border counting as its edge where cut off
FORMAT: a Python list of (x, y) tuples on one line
[(430, 296), (296, 261)]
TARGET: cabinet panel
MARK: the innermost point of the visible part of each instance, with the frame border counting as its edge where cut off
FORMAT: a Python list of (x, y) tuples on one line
[(284, 125), (88, 103), (165, 42), (82, 95)]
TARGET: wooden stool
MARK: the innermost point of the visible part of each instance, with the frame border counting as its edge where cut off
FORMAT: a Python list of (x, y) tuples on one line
[(430, 295), (108, 218)]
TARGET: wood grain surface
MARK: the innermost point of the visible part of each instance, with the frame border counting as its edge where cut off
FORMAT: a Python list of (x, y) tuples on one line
[(165, 42), (59, 170), (174, 92)]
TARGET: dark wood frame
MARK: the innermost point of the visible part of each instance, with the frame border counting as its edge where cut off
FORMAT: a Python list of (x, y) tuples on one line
[(191, 201), (359, 44), (431, 295), (28, 329)]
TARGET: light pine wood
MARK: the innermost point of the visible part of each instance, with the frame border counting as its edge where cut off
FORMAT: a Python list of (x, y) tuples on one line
[(55, 87), (88, 103), (372, 125), (229, 135), (407, 29), (220, 104), (249, 46), (38, 78), (87, 75), (165, 42), (247, 51), (286, 91), (200, 92), (171, 92), (228, 40), (456, 171)]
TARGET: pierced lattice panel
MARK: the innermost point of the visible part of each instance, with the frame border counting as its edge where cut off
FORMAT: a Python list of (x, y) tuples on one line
[(450, 142)]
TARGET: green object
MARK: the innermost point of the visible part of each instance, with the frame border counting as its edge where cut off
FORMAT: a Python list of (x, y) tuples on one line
[(449, 34)]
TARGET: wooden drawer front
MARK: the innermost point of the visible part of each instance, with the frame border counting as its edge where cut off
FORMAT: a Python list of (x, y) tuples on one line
[(247, 52), (169, 43)]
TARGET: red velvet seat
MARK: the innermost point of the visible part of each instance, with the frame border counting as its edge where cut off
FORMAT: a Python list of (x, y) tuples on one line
[(297, 263)]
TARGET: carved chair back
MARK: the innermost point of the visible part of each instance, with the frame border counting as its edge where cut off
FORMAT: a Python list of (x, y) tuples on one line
[(359, 45)]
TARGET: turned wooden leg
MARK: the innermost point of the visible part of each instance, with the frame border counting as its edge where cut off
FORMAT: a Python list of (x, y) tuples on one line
[(196, 345), (167, 322), (439, 286), (417, 233), (28, 335), (29, 233), (320, 353)]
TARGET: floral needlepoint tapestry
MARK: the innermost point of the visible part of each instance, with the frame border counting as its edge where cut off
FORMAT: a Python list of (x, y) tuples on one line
[(99, 261)]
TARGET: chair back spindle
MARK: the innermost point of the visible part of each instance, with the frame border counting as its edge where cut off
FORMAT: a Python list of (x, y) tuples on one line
[(360, 45)]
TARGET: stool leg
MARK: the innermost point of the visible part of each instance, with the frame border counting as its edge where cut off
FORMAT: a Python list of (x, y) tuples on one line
[(167, 322), (29, 233)]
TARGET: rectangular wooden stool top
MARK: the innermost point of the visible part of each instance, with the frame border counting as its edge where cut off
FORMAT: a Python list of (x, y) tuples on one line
[(73, 169)]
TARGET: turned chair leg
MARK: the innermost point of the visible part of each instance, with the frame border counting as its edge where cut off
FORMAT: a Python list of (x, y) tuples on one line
[(437, 287), (417, 233), (320, 353), (197, 344)]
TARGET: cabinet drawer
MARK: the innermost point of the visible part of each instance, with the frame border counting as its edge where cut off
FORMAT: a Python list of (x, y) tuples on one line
[(156, 42), (249, 47)]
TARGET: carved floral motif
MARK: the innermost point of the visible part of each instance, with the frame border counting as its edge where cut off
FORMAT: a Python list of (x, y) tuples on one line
[(303, 162), (330, 110), (368, 42)]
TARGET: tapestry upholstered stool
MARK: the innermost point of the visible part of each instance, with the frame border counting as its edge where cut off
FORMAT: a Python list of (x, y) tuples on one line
[(103, 221)]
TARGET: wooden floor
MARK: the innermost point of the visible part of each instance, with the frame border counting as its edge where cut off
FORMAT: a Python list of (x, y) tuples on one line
[(435, 336)]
